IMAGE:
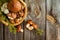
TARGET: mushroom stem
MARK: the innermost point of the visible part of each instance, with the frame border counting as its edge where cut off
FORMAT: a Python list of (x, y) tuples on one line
[(35, 26)]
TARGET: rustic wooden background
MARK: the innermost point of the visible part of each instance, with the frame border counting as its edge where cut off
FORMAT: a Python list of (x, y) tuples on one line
[(37, 11)]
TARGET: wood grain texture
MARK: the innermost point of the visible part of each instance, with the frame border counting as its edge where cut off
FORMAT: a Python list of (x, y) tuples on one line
[(56, 12), (1, 31), (19, 36), (52, 32), (6, 33), (36, 13), (26, 32), (10, 36)]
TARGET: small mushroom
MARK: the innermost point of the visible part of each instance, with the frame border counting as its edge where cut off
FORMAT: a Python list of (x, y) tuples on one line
[(14, 15), (28, 26), (21, 14), (17, 20), (19, 29), (30, 22), (31, 25), (6, 11), (11, 15), (4, 6)]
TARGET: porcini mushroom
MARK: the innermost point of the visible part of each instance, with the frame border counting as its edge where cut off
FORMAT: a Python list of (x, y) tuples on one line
[(14, 5), (19, 29), (35, 26), (12, 15), (22, 7), (4, 8), (31, 28), (31, 25)]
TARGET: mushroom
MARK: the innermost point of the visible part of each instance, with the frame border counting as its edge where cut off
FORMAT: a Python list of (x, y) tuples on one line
[(11, 15), (19, 29), (17, 20), (21, 14), (14, 5), (30, 22), (31, 28), (35, 26), (28, 26), (4, 8), (6, 11), (14, 15), (31, 25)]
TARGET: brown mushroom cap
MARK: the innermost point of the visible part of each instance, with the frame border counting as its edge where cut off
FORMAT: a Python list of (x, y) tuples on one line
[(14, 6), (30, 22), (18, 28)]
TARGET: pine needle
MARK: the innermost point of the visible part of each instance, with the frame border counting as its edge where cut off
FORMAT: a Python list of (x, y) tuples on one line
[(39, 31)]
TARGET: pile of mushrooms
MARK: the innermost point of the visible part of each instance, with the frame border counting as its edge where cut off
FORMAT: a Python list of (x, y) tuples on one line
[(16, 11)]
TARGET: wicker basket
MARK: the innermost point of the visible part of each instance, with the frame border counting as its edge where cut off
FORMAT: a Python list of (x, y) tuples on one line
[(25, 14)]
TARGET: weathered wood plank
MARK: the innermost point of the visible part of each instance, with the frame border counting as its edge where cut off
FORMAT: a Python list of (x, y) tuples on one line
[(56, 12), (6, 33), (26, 33), (11, 36), (52, 31), (1, 31), (36, 12), (19, 35)]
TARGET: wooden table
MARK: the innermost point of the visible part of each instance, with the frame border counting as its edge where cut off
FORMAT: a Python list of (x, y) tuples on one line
[(37, 11)]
